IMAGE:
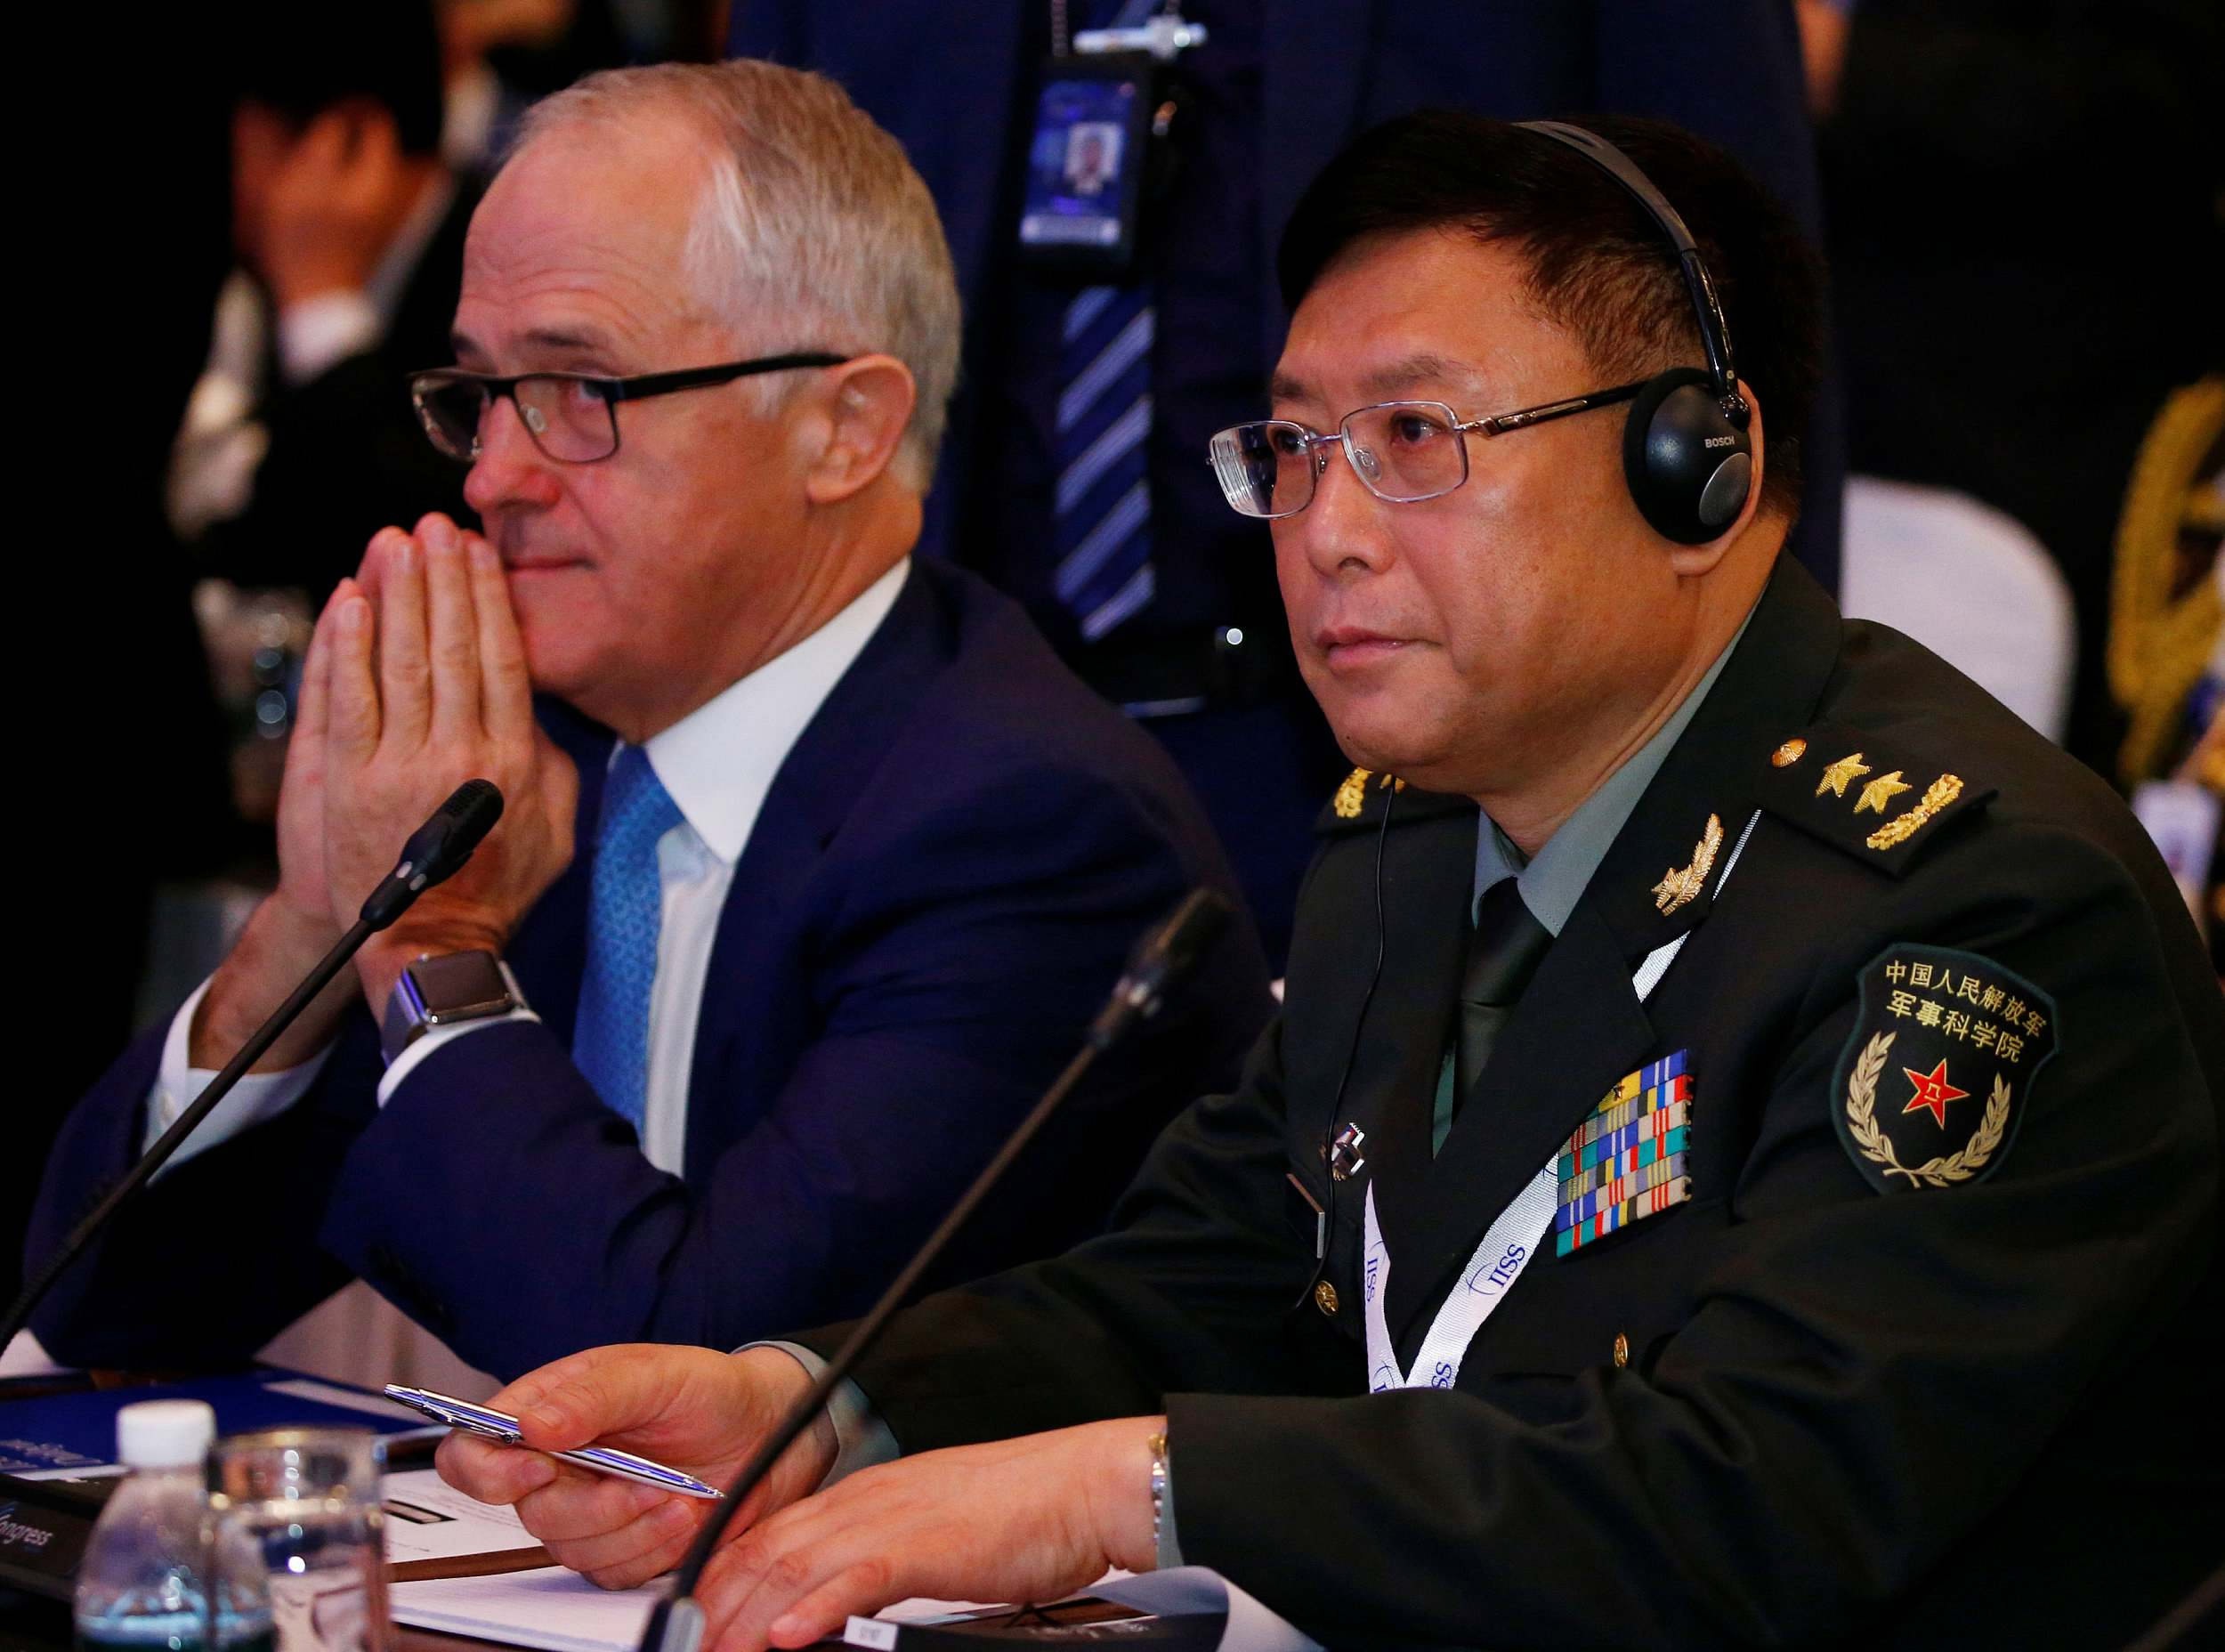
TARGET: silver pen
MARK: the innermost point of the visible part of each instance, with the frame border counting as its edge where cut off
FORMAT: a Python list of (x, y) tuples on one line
[(495, 1425)]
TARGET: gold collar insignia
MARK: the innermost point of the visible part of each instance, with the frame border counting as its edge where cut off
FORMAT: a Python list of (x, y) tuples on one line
[(1679, 887)]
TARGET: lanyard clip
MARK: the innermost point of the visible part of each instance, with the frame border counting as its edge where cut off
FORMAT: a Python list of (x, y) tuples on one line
[(1164, 37)]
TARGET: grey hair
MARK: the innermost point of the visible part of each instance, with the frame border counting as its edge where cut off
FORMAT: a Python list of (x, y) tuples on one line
[(812, 214)]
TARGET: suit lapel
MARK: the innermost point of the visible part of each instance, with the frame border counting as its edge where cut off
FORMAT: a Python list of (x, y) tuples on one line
[(1428, 867), (818, 782), (1579, 1029)]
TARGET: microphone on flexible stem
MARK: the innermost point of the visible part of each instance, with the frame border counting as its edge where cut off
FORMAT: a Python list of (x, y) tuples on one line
[(1161, 958), (434, 851)]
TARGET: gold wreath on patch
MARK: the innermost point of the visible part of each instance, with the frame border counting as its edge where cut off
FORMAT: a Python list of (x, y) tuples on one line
[(1941, 1172), (1680, 886)]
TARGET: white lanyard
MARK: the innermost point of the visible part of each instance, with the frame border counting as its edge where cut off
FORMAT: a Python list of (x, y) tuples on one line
[(1507, 1247)]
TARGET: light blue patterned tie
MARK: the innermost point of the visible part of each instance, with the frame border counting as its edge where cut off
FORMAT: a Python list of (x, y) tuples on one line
[(625, 906)]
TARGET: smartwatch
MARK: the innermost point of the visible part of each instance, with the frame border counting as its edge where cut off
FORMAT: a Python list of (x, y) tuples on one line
[(443, 990)]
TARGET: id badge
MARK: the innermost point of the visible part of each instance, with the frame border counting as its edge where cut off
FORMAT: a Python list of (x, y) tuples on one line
[(1086, 164)]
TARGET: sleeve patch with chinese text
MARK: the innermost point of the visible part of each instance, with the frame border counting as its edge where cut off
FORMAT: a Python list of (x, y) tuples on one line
[(1933, 1081)]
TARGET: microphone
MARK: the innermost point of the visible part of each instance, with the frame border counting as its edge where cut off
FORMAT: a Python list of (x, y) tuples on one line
[(434, 851), (1163, 956), (1167, 953)]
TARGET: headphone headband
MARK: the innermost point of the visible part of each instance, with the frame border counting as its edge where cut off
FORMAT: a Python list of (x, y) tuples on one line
[(1699, 285)]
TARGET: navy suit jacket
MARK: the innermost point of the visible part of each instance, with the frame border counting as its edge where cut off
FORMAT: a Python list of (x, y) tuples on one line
[(954, 86), (947, 874)]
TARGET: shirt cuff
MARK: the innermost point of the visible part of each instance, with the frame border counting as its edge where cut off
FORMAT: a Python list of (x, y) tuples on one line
[(258, 1096), (407, 1062), (316, 334), (861, 1439)]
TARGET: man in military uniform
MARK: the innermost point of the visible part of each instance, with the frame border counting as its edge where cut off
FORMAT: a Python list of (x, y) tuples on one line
[(1739, 1162)]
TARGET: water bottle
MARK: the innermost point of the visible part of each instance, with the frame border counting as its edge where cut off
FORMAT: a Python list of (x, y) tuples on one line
[(150, 1580)]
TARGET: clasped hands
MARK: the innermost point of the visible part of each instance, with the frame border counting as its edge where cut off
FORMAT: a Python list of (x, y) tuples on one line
[(415, 681), (1028, 1519)]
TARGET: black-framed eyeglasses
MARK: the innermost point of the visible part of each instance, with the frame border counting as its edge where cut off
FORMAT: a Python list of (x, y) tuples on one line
[(572, 417), (1402, 451)]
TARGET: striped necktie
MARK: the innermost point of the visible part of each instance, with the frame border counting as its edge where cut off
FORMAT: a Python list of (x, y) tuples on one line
[(1101, 524), (1101, 521), (610, 1044)]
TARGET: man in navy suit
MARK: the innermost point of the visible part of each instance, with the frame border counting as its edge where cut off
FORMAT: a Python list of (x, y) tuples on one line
[(856, 859), (1180, 622)]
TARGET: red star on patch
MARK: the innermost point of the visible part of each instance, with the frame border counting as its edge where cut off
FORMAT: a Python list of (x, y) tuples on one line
[(1933, 1092)]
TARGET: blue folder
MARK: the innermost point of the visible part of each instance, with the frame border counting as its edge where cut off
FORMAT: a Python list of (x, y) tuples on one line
[(76, 1431)]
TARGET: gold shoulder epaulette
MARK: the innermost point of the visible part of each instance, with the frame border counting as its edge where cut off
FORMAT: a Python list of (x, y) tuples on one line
[(1364, 794), (1351, 796), (1862, 795)]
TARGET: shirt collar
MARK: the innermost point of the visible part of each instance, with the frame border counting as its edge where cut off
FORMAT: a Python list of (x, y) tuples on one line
[(1553, 880), (718, 762)]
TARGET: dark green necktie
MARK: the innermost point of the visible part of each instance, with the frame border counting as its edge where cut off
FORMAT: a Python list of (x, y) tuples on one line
[(1502, 955)]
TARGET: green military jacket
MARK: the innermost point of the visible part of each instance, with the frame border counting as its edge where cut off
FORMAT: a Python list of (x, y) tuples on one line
[(1916, 1346)]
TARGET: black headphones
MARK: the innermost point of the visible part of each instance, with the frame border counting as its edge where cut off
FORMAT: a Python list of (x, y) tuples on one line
[(1686, 454)]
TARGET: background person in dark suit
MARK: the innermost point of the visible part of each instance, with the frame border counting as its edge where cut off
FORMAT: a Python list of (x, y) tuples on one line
[(299, 443), (1790, 1088), (1179, 620), (859, 860), (1955, 136)]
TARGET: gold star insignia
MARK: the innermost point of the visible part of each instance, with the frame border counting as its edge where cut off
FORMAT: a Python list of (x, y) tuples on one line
[(1785, 756), (1680, 886), (1838, 775), (1880, 791)]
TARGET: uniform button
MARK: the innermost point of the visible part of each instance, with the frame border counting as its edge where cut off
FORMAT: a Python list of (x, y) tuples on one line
[(1791, 752), (1622, 1350), (1325, 1297)]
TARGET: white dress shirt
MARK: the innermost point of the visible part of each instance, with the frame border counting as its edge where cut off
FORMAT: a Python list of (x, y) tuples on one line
[(718, 763)]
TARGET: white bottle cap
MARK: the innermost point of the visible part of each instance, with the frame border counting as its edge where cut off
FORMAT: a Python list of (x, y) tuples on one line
[(164, 1433)]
